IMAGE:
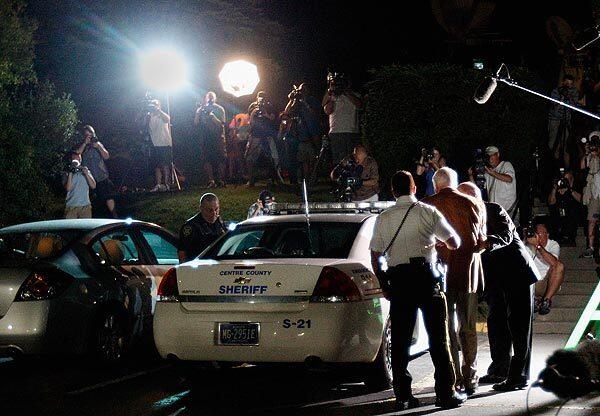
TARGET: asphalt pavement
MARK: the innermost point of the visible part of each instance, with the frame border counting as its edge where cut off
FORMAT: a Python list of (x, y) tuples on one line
[(148, 386)]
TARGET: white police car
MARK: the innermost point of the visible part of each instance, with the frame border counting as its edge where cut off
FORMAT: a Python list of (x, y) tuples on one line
[(283, 289)]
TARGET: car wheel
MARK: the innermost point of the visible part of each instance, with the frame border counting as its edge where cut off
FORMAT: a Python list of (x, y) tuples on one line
[(379, 373), (110, 337)]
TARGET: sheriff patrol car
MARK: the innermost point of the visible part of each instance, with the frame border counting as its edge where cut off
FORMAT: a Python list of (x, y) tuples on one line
[(285, 288)]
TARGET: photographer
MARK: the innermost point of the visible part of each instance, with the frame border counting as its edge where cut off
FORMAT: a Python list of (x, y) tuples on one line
[(300, 131), (261, 145), (360, 173), (565, 207), (78, 181), (427, 165), (263, 204), (340, 103), (94, 154), (559, 118), (545, 254), (210, 118), (500, 181), (591, 193), (162, 145)]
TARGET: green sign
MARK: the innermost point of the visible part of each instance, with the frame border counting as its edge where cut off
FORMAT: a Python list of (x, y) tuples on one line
[(589, 321)]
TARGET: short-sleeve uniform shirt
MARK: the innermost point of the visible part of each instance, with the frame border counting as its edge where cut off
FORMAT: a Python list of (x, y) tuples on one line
[(424, 224)]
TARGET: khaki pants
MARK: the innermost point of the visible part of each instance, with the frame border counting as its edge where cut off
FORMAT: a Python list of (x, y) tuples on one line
[(463, 306), (78, 212)]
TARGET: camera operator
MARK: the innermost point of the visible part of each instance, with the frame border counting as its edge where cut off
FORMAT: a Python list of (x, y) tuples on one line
[(360, 172), (565, 207), (261, 144), (94, 154), (559, 117), (301, 130), (210, 118), (340, 103), (545, 254), (78, 181), (263, 204), (500, 181), (591, 193), (162, 145), (429, 162)]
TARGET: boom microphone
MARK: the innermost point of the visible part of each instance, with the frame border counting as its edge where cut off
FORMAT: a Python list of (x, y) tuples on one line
[(485, 90)]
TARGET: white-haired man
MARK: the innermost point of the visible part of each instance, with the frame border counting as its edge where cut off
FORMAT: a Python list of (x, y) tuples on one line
[(465, 275)]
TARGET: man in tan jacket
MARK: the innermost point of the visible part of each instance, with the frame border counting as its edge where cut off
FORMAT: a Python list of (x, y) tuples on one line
[(465, 273)]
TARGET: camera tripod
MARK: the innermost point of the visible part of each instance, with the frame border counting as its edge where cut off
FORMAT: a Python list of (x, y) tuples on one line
[(324, 147)]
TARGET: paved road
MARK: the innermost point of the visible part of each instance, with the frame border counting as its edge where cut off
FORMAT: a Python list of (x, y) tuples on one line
[(153, 387)]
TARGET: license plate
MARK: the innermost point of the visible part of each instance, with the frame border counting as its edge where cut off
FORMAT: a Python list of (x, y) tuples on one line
[(241, 333)]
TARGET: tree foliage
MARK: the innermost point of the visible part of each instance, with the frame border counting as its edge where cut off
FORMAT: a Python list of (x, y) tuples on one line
[(35, 123), (415, 106)]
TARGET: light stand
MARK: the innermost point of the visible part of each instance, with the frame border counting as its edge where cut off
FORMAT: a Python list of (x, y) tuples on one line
[(174, 178)]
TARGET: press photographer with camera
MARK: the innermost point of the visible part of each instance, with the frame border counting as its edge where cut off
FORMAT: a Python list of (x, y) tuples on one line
[(429, 162), (300, 131), (591, 193), (162, 145), (261, 145), (77, 181), (341, 104), (565, 207), (263, 204), (210, 119), (357, 176), (545, 253), (500, 181), (94, 155)]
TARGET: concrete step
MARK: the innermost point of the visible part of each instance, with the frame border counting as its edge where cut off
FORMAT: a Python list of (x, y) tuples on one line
[(570, 301), (552, 327), (571, 287), (570, 315)]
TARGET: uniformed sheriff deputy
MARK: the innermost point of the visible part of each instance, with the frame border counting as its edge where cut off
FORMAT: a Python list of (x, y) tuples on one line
[(411, 283), (202, 229)]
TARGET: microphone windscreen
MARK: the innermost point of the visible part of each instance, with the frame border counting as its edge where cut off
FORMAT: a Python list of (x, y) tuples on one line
[(485, 90)]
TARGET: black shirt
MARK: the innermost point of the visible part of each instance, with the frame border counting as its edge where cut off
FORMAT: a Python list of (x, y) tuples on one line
[(197, 234)]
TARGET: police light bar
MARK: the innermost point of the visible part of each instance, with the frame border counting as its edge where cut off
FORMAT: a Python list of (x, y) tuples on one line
[(330, 207)]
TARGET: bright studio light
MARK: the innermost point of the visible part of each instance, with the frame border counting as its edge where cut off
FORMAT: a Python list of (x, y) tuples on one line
[(163, 69), (239, 78)]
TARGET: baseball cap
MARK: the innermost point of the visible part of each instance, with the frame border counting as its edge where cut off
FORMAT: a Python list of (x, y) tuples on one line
[(491, 150)]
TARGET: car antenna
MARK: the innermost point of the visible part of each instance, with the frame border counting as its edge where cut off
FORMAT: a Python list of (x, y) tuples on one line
[(307, 215)]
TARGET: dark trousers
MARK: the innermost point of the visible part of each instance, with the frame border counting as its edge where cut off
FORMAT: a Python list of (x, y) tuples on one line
[(405, 302), (509, 321)]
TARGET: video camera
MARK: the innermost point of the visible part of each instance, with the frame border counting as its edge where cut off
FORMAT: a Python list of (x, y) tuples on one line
[(348, 180), (74, 166), (593, 142), (480, 161), (337, 81)]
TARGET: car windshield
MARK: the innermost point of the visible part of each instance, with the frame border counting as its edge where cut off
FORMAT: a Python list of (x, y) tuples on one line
[(286, 240), (34, 246)]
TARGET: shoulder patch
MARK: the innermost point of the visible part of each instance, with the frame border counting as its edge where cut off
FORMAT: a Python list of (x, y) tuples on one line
[(186, 230)]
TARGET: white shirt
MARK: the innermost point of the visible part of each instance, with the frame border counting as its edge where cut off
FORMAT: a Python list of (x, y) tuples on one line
[(551, 247), (343, 118), (159, 130), (593, 164), (500, 192), (417, 237)]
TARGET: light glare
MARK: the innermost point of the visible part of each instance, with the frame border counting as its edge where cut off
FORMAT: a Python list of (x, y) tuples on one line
[(163, 69), (239, 78)]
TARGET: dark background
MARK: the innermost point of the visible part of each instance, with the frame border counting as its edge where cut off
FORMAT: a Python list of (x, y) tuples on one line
[(88, 48)]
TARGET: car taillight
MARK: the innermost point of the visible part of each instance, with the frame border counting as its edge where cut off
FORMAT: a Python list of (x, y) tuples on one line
[(43, 285), (335, 286), (168, 290)]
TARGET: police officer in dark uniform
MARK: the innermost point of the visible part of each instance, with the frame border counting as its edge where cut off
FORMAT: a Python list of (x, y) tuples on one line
[(202, 229)]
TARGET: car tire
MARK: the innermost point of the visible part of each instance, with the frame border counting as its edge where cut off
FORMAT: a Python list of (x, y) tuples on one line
[(110, 340), (378, 375)]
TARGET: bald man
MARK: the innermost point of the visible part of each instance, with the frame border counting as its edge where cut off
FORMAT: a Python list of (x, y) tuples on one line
[(465, 273)]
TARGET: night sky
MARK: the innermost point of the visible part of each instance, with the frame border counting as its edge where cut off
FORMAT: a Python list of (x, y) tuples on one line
[(88, 48)]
